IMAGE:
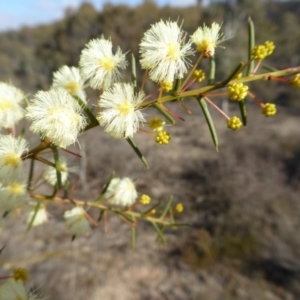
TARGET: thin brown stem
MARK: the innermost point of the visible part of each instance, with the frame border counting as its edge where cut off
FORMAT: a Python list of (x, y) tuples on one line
[(192, 71), (216, 108)]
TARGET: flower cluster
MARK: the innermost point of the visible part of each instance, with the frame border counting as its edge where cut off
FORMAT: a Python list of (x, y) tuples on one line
[(237, 91), (145, 199), (295, 81), (164, 52), (156, 124), (269, 46), (57, 116), (13, 193), (119, 110), (163, 138), (121, 191), (20, 274), (166, 86), (50, 172), (14, 288), (260, 52), (99, 65), (268, 109), (70, 79), (199, 75), (234, 123), (11, 111), (37, 216), (76, 221), (179, 207), (207, 38), (62, 113)]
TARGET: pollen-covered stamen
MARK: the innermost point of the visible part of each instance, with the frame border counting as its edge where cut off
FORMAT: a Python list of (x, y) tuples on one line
[(16, 189), (56, 115), (69, 78), (11, 164), (5, 104), (73, 87), (54, 111), (164, 52), (106, 63), (125, 108), (12, 160), (20, 274), (99, 65), (12, 196), (75, 119), (156, 124), (10, 105), (119, 110), (173, 51), (207, 47), (166, 86), (129, 186), (207, 38)]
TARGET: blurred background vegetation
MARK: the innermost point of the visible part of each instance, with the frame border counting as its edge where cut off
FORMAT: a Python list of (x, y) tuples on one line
[(244, 202), (29, 56)]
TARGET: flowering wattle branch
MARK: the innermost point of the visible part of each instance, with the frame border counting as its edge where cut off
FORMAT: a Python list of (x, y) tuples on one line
[(203, 90), (60, 115)]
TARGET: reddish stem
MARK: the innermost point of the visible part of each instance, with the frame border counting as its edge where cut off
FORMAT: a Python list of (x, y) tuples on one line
[(256, 67), (217, 108), (278, 79), (255, 99), (188, 85)]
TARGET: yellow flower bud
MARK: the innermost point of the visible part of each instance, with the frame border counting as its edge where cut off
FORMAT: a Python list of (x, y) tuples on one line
[(269, 47), (237, 91), (234, 123), (199, 75), (166, 86), (259, 52), (156, 124), (145, 199), (295, 81), (179, 207), (269, 109), (163, 138), (20, 274)]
